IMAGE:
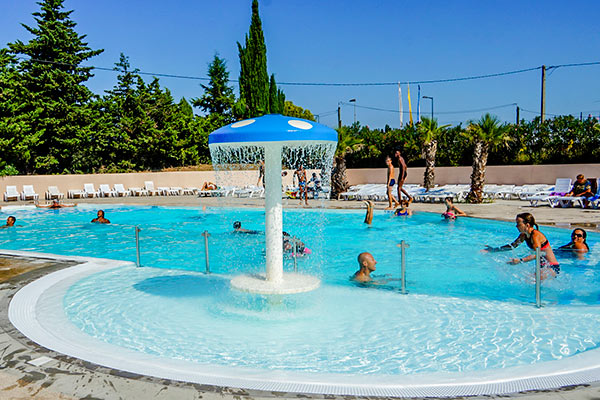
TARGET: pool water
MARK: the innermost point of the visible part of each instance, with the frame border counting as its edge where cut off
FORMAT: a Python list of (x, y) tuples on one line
[(465, 310)]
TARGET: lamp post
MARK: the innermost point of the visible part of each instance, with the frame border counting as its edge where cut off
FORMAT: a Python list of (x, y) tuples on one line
[(353, 101), (430, 98)]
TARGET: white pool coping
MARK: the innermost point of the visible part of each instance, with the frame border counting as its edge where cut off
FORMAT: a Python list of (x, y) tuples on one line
[(55, 332)]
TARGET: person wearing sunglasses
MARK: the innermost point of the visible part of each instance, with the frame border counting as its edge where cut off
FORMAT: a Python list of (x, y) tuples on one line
[(578, 245)]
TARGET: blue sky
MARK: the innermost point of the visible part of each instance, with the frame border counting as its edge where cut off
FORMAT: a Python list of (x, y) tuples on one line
[(351, 41)]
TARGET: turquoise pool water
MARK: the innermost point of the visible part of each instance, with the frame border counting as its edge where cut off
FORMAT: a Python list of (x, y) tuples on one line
[(466, 310)]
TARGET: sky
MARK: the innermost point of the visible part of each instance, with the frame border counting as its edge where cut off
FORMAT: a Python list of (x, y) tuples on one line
[(352, 41)]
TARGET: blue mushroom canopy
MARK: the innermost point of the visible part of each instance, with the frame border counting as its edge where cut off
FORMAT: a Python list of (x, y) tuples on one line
[(272, 128)]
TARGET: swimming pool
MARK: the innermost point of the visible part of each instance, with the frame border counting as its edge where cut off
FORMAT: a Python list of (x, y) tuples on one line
[(467, 313)]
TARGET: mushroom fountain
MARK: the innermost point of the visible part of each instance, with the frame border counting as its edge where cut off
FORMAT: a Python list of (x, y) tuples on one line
[(269, 138)]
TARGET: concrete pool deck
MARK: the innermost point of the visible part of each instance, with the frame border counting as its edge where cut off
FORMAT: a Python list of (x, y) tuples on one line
[(30, 371)]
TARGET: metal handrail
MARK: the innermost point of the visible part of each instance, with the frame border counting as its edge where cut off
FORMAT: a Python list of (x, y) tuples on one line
[(403, 246), (137, 245), (538, 278), (206, 235)]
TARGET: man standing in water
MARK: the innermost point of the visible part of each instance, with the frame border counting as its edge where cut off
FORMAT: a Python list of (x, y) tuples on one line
[(302, 189), (366, 263), (402, 172)]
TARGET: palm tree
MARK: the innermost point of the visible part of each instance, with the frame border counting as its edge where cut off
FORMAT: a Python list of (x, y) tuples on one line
[(347, 143), (429, 132), (487, 133)]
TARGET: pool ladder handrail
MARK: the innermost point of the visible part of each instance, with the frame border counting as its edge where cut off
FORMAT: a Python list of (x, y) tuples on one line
[(538, 278), (403, 246)]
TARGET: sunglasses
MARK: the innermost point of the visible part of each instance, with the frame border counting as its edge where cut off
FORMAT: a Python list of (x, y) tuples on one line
[(577, 235)]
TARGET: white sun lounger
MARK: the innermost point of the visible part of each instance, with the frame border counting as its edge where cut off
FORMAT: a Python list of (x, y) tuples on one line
[(28, 193), (105, 191), (149, 186), (89, 190), (120, 190), (562, 186), (11, 193), (53, 193)]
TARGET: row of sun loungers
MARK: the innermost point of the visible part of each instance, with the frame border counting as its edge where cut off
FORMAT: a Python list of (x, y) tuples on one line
[(89, 191), (536, 194)]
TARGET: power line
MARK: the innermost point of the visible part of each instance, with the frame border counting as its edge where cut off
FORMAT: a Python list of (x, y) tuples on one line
[(467, 78), (440, 112)]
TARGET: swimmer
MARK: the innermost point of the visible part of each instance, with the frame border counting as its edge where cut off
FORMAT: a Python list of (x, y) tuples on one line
[(100, 218), (403, 210), (451, 210), (302, 182), (369, 214), (288, 245), (10, 222), (237, 228), (54, 205), (366, 264), (530, 234), (578, 245)]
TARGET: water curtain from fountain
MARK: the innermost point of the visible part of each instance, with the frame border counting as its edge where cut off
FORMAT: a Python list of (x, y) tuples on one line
[(276, 140)]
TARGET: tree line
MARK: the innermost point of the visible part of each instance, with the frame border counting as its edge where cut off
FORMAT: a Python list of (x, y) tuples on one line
[(51, 123)]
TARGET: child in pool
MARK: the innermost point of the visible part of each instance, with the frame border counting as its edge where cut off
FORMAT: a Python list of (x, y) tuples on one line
[(403, 210), (452, 211)]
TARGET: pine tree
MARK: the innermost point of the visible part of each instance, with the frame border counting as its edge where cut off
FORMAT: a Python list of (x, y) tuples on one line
[(54, 96), (218, 98)]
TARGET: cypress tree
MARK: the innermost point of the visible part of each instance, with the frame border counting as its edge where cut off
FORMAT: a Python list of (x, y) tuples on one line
[(255, 86), (54, 95)]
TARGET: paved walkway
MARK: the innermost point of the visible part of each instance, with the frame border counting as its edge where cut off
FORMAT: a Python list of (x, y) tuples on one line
[(28, 371)]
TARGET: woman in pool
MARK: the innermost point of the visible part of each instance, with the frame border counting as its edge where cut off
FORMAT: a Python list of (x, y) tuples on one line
[(578, 245), (452, 211), (530, 234), (392, 202), (403, 210)]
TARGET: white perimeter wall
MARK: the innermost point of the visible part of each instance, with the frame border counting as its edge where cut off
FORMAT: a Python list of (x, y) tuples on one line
[(518, 175)]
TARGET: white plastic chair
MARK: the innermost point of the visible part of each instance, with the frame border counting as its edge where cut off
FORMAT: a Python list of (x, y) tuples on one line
[(105, 191), (53, 193), (11, 193), (89, 191), (149, 186), (28, 193), (120, 190), (563, 185)]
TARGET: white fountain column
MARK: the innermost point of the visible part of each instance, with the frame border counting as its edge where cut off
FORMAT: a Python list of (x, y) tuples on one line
[(273, 213)]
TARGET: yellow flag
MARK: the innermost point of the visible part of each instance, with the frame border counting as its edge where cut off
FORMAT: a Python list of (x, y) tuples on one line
[(409, 105)]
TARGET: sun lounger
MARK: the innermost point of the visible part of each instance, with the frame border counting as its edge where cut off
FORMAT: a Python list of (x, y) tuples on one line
[(11, 193), (120, 190), (149, 186), (89, 190), (562, 186), (53, 193), (136, 191), (105, 191), (188, 190), (28, 193), (75, 194), (569, 201)]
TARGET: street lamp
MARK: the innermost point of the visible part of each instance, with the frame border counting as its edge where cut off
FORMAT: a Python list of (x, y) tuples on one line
[(430, 98), (353, 101)]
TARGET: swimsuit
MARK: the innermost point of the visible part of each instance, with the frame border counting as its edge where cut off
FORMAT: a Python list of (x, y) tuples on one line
[(449, 215), (544, 263), (392, 182), (399, 214)]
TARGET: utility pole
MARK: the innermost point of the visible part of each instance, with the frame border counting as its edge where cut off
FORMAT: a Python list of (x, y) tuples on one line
[(581, 116), (518, 119), (543, 110), (339, 117)]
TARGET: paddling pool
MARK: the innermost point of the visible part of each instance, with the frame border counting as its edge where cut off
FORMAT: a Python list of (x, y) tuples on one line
[(468, 321)]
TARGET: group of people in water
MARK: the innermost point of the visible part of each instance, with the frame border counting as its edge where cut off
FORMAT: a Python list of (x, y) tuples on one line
[(528, 232)]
